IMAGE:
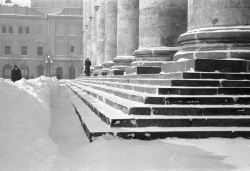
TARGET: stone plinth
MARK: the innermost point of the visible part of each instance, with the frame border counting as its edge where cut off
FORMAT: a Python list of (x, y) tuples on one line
[(123, 62), (110, 29), (100, 20), (217, 29), (127, 29), (160, 24)]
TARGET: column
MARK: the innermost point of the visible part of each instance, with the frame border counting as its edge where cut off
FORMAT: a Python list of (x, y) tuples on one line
[(127, 32), (85, 23), (110, 32), (88, 30), (217, 29), (160, 24), (100, 27), (93, 32)]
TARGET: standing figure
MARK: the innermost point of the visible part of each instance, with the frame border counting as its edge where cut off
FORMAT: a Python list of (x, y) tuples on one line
[(87, 67), (16, 74)]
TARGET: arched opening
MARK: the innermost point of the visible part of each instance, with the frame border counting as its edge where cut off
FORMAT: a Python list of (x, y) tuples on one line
[(39, 70), (59, 73), (25, 71), (72, 73), (7, 71)]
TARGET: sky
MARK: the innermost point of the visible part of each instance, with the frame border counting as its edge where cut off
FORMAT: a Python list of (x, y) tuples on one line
[(19, 2)]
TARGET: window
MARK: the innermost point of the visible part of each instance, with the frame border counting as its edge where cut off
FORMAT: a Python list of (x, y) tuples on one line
[(3, 29), (39, 50), (20, 30), (27, 30), (72, 48), (7, 71), (25, 72), (72, 73), (10, 29), (7, 50), (24, 50)]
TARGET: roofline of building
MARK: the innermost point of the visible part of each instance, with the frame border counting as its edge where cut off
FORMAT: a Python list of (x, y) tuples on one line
[(65, 16), (23, 16)]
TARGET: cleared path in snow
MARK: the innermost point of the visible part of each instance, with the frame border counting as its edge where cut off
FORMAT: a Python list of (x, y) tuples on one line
[(109, 153)]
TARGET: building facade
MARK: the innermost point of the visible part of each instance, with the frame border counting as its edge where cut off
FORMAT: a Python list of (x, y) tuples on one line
[(25, 41), (65, 39)]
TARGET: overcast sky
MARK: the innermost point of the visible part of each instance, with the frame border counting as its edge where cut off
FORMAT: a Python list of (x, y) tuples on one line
[(19, 2)]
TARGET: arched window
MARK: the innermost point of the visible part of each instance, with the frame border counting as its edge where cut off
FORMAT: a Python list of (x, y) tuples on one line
[(7, 71), (59, 73), (25, 72), (39, 70), (72, 73)]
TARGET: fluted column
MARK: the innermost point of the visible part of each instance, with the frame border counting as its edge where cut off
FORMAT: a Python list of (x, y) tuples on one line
[(88, 30), (100, 22), (217, 29), (127, 32), (84, 29), (93, 32), (110, 32), (160, 24)]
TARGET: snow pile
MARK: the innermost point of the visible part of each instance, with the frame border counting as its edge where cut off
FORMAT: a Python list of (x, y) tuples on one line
[(24, 122), (24, 3)]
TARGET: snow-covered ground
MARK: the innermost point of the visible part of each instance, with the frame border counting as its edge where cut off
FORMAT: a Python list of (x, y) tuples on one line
[(40, 131)]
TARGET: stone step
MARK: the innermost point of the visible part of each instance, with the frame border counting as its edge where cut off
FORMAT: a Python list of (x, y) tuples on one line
[(95, 127), (169, 99), (135, 108), (168, 90), (180, 82), (189, 75), (142, 70), (118, 119), (207, 65)]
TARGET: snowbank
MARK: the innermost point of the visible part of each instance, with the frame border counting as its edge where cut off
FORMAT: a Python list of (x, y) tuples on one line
[(24, 3), (24, 122)]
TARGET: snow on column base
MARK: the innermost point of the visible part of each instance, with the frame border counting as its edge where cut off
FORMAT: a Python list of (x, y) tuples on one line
[(215, 43)]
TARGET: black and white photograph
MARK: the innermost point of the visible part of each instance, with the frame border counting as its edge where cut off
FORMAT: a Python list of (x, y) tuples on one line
[(124, 85)]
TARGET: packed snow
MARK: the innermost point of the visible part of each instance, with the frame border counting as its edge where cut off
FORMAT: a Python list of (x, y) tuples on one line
[(40, 131)]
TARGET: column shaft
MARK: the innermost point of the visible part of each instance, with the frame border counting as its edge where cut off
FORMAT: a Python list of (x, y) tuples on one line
[(110, 31), (100, 23), (127, 32), (160, 24), (93, 32)]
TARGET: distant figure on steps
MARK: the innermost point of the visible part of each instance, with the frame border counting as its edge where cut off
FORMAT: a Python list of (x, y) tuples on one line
[(16, 74), (87, 67)]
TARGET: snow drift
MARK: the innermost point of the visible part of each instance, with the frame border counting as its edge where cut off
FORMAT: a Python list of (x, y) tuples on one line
[(24, 123)]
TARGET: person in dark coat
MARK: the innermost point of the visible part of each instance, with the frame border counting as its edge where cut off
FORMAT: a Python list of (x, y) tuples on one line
[(16, 74), (87, 67)]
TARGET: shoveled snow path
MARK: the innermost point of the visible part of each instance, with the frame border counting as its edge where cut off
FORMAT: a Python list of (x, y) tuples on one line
[(109, 153)]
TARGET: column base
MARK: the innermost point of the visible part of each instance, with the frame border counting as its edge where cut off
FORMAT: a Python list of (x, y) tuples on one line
[(215, 43), (106, 68), (97, 70), (121, 63), (155, 53)]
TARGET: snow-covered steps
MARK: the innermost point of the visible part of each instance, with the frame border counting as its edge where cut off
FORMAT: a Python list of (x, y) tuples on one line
[(163, 99), (91, 113), (168, 90), (190, 75), (181, 82), (137, 108)]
